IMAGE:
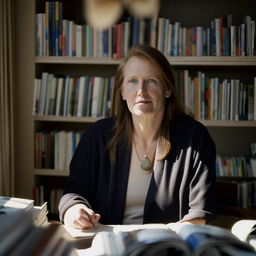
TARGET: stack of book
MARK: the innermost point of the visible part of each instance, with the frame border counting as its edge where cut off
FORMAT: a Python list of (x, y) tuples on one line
[(26, 231)]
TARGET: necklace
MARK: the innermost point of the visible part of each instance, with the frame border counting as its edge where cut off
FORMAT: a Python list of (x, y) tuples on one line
[(145, 163)]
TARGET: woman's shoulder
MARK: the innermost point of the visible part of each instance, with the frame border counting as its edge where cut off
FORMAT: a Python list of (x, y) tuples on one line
[(107, 122), (186, 119), (188, 124), (101, 126)]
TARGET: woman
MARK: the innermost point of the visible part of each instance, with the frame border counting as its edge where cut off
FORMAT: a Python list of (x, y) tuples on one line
[(149, 163)]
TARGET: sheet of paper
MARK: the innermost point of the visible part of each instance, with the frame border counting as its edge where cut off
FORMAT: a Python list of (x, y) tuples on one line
[(90, 232), (99, 227)]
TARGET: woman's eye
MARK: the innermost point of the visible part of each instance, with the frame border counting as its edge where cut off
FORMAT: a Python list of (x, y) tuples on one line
[(132, 81), (151, 81)]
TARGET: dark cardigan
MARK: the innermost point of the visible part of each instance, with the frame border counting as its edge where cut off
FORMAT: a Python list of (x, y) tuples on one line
[(182, 186)]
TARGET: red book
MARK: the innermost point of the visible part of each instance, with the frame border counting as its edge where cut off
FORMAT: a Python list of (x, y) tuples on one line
[(118, 41)]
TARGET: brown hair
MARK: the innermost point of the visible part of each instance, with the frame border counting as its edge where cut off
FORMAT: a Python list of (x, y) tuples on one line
[(123, 120)]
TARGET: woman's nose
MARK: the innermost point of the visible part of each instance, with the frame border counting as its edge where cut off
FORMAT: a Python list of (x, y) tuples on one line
[(142, 88)]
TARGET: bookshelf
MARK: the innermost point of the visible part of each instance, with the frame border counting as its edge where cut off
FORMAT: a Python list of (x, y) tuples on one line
[(231, 137)]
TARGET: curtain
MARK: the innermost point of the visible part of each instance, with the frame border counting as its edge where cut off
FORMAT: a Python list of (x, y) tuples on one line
[(6, 97)]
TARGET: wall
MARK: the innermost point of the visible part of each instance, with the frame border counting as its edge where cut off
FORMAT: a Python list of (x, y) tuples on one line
[(23, 90)]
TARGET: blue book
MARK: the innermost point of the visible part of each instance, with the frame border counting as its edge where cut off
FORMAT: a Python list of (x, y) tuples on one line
[(105, 43), (60, 28)]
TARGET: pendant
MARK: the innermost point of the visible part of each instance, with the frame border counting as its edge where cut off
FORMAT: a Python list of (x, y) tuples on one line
[(146, 164)]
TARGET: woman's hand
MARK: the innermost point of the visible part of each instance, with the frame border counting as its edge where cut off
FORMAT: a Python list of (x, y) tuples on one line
[(81, 217)]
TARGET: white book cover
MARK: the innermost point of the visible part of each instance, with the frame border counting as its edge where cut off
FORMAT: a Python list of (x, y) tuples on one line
[(217, 34), (166, 36), (43, 92), (78, 40), (169, 39), (237, 91), (199, 41), (70, 101), (52, 98), (232, 100), (176, 38), (35, 96), (153, 29), (81, 96), (96, 96), (223, 100), (99, 44), (47, 99), (58, 96), (66, 96), (62, 149), (160, 33), (70, 36), (252, 37), (39, 29)]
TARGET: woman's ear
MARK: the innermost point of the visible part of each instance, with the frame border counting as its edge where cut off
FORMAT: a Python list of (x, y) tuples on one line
[(168, 93)]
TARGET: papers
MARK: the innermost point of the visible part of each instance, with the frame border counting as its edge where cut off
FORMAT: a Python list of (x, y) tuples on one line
[(76, 233), (111, 228)]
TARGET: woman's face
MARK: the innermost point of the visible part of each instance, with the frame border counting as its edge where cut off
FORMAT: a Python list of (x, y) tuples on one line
[(142, 88)]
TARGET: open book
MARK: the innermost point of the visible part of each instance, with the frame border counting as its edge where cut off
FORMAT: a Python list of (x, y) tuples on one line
[(159, 239), (245, 230)]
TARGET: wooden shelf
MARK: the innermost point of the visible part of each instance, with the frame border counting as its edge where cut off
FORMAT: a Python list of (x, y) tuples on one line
[(233, 178), (51, 172), (66, 119), (76, 60), (220, 123), (176, 61), (212, 61)]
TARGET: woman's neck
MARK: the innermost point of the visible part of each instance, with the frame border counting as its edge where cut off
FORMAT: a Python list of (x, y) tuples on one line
[(146, 129)]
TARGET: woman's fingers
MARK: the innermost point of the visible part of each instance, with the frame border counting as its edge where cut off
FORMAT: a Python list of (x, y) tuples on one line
[(92, 216), (81, 217)]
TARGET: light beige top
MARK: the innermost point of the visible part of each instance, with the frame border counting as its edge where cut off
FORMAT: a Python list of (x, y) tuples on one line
[(137, 188)]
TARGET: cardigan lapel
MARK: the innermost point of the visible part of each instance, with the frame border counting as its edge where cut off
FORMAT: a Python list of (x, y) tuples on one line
[(150, 207), (118, 184)]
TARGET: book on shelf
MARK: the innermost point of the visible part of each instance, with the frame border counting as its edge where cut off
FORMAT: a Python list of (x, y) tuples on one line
[(72, 96), (167, 239), (58, 36), (212, 98)]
